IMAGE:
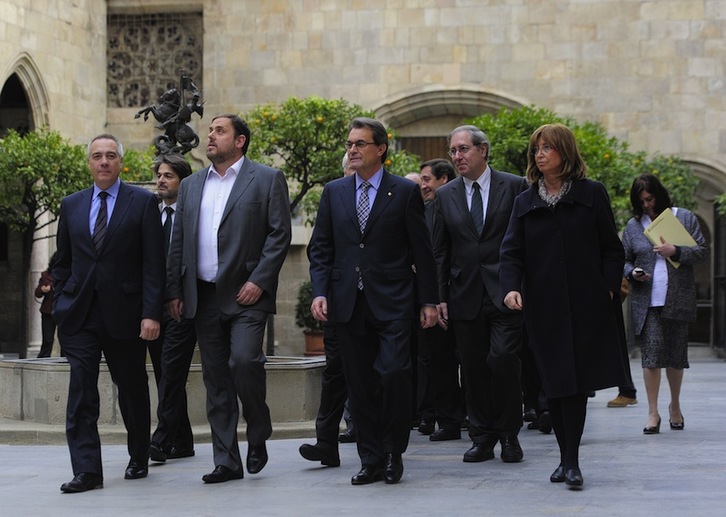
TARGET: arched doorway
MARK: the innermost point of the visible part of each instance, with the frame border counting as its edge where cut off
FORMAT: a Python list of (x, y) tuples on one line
[(712, 179), (23, 107), (423, 120), (14, 108)]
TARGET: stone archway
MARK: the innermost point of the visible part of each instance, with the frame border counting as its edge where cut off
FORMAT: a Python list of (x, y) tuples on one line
[(24, 83), (24, 106), (712, 183), (424, 119)]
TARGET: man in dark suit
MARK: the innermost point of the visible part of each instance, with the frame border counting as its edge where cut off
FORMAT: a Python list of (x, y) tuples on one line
[(172, 353), (439, 392), (333, 396), (369, 231), (232, 235), (472, 217), (109, 295)]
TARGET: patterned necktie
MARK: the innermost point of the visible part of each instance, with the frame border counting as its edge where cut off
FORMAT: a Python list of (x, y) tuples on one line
[(364, 205), (99, 230), (477, 209), (167, 228), (363, 210)]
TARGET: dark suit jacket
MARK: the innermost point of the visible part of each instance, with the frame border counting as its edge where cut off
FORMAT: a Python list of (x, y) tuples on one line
[(395, 238), (127, 276), (564, 260), (468, 264), (253, 239)]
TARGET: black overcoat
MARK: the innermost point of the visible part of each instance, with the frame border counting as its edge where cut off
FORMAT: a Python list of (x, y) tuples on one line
[(565, 261)]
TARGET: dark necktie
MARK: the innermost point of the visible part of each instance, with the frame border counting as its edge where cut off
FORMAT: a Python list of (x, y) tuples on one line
[(477, 210), (167, 228), (99, 230), (363, 210)]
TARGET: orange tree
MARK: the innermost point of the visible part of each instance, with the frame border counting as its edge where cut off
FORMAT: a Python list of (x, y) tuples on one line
[(37, 170)]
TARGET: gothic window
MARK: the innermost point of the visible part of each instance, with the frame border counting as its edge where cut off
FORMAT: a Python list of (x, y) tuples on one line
[(146, 53)]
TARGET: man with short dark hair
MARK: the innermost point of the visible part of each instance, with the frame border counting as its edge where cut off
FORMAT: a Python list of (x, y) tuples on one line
[(440, 399), (172, 353), (230, 242), (369, 230)]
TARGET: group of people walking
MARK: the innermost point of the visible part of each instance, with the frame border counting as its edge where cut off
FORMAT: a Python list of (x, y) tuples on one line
[(483, 260)]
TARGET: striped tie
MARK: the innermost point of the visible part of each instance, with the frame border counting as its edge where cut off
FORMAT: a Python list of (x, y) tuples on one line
[(99, 231)]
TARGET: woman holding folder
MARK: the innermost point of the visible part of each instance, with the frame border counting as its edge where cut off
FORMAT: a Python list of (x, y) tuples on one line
[(660, 252)]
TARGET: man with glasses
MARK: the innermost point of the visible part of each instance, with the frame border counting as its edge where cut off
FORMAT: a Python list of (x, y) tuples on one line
[(369, 230), (472, 217)]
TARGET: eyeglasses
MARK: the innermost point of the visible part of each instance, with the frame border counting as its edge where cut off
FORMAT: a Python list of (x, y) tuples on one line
[(462, 149), (360, 144), (546, 149)]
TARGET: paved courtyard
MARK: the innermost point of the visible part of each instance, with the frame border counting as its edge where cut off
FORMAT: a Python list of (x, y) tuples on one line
[(626, 473)]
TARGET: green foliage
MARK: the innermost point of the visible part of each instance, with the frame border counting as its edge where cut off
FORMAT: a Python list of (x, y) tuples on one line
[(37, 170), (402, 162), (609, 159), (305, 138), (303, 317), (138, 165), (721, 204)]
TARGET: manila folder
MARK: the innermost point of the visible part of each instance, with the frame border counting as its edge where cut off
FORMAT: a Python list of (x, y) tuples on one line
[(666, 225)]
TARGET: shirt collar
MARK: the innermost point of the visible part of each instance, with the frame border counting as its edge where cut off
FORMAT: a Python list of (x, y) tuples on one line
[(112, 190), (484, 180), (236, 167), (374, 180)]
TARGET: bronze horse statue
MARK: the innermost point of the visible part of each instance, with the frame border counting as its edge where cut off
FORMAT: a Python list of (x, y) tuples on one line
[(173, 118)]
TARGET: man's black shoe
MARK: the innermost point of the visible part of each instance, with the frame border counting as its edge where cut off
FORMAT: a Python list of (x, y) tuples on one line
[(156, 453), (220, 474), (326, 454), (136, 470), (478, 452), (425, 427), (511, 450), (256, 458), (393, 470), (177, 452), (368, 474), (445, 433), (348, 436), (82, 482)]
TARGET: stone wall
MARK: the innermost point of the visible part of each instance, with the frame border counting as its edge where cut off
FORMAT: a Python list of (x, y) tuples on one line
[(652, 71)]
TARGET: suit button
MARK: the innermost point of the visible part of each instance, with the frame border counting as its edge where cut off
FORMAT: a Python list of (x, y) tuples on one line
[(357, 270), (361, 245)]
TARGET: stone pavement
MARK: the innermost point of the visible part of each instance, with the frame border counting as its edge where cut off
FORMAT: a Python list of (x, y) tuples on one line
[(626, 472)]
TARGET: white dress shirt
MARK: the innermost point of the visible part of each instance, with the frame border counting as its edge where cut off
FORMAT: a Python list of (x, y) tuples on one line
[(214, 200)]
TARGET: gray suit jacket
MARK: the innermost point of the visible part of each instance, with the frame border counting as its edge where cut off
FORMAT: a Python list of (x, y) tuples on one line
[(253, 239), (680, 301)]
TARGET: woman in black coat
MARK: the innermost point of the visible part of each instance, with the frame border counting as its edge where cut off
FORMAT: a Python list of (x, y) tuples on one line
[(562, 263)]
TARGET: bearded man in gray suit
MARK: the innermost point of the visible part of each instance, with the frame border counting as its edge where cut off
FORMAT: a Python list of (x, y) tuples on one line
[(222, 270)]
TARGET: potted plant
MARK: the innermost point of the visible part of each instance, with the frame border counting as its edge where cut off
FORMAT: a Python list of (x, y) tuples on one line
[(312, 328)]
